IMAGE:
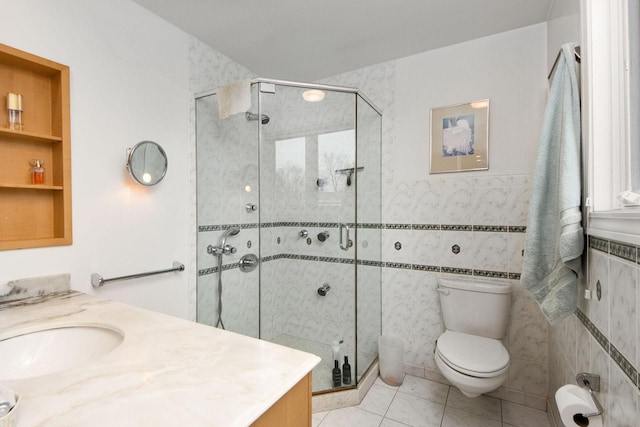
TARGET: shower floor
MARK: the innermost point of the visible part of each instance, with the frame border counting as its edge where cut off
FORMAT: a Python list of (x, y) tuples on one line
[(322, 373)]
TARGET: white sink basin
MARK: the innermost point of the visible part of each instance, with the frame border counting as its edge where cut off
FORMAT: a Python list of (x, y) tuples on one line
[(48, 351)]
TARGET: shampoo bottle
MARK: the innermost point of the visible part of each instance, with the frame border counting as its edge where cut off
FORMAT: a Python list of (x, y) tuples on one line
[(336, 374), (335, 349), (346, 371)]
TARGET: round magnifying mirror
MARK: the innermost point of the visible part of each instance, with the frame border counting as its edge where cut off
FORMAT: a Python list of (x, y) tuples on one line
[(147, 163)]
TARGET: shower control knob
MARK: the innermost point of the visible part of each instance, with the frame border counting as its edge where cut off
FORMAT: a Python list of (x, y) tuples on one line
[(214, 250), (228, 249), (303, 234), (322, 290), (250, 207), (323, 236)]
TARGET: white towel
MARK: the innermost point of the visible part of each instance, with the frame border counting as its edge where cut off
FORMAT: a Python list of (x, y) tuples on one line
[(234, 98), (555, 241)]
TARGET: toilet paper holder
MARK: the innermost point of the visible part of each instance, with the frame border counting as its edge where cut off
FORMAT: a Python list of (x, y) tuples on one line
[(592, 383)]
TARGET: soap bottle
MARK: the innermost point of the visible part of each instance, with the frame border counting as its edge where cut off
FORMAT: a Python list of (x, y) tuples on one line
[(37, 172), (335, 349), (346, 371), (336, 374)]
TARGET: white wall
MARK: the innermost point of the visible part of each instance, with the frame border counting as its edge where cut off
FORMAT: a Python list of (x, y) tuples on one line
[(563, 27), (129, 82), (504, 68)]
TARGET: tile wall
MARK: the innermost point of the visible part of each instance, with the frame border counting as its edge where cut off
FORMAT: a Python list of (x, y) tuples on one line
[(470, 224), (208, 69), (603, 335), (483, 214)]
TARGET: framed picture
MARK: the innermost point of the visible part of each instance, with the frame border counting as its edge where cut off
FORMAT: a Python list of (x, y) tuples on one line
[(460, 137)]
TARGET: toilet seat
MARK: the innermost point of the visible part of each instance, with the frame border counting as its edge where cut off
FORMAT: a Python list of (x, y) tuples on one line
[(473, 355)]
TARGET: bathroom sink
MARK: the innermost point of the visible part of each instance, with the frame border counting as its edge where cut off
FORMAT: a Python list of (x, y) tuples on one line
[(47, 351)]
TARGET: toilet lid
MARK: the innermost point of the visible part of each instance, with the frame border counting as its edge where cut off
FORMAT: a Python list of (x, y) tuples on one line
[(472, 354)]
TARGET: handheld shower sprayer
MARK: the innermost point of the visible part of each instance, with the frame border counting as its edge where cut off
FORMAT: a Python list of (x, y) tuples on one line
[(223, 248)]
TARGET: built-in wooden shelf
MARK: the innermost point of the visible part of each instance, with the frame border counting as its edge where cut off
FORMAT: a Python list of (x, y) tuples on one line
[(32, 186), (35, 215), (29, 136)]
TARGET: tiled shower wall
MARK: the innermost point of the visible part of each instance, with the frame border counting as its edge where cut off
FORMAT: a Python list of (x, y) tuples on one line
[(603, 336), (208, 69)]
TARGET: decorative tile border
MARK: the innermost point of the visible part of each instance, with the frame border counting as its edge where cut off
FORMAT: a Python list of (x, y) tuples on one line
[(456, 270), (397, 226), (494, 274), (328, 225), (369, 263), (627, 367), (397, 265), (431, 268), (206, 271), (517, 229), (453, 227), (221, 227), (374, 226), (370, 225), (623, 251), (599, 244), (491, 228), (424, 227)]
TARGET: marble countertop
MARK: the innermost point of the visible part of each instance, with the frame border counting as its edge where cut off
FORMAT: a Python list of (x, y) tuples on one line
[(167, 371)]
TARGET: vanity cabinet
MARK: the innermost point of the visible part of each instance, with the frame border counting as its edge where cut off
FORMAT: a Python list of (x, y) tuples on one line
[(35, 215), (292, 410)]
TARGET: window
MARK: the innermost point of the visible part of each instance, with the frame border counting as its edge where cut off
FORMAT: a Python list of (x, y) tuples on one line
[(290, 164), (611, 114), (336, 160)]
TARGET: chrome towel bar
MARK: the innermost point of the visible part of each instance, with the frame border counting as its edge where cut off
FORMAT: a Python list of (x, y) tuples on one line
[(97, 280)]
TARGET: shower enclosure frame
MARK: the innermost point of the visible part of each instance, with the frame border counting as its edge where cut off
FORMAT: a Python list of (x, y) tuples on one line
[(356, 260)]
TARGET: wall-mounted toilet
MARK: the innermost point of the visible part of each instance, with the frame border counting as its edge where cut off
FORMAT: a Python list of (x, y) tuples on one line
[(470, 353)]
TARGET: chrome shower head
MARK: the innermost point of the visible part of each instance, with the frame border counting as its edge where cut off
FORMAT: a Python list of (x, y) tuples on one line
[(264, 119)]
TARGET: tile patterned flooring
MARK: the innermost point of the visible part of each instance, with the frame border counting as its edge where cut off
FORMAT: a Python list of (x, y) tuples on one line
[(422, 403)]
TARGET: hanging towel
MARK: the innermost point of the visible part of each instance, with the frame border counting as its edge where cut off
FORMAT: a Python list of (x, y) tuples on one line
[(234, 98), (554, 240)]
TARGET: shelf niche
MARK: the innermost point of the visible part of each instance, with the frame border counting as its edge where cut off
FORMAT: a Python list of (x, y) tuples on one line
[(35, 215)]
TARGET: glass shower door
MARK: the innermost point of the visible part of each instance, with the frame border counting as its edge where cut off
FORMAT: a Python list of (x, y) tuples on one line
[(307, 226), (227, 174)]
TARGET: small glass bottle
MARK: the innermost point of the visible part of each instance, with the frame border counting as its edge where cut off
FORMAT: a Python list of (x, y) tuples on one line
[(37, 172), (14, 111)]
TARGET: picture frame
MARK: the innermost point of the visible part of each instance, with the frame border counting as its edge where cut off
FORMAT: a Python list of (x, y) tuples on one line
[(460, 137)]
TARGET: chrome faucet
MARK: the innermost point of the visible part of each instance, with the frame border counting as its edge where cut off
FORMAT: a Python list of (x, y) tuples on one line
[(223, 248)]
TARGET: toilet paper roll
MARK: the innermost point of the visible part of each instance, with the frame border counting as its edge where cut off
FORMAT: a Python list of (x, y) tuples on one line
[(573, 401)]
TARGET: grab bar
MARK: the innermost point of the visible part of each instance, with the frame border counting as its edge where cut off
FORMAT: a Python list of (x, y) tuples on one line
[(348, 245), (98, 281)]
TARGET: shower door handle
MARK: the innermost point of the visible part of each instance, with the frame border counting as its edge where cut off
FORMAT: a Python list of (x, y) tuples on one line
[(343, 246)]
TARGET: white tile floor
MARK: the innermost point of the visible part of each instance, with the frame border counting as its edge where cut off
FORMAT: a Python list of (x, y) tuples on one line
[(423, 403)]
